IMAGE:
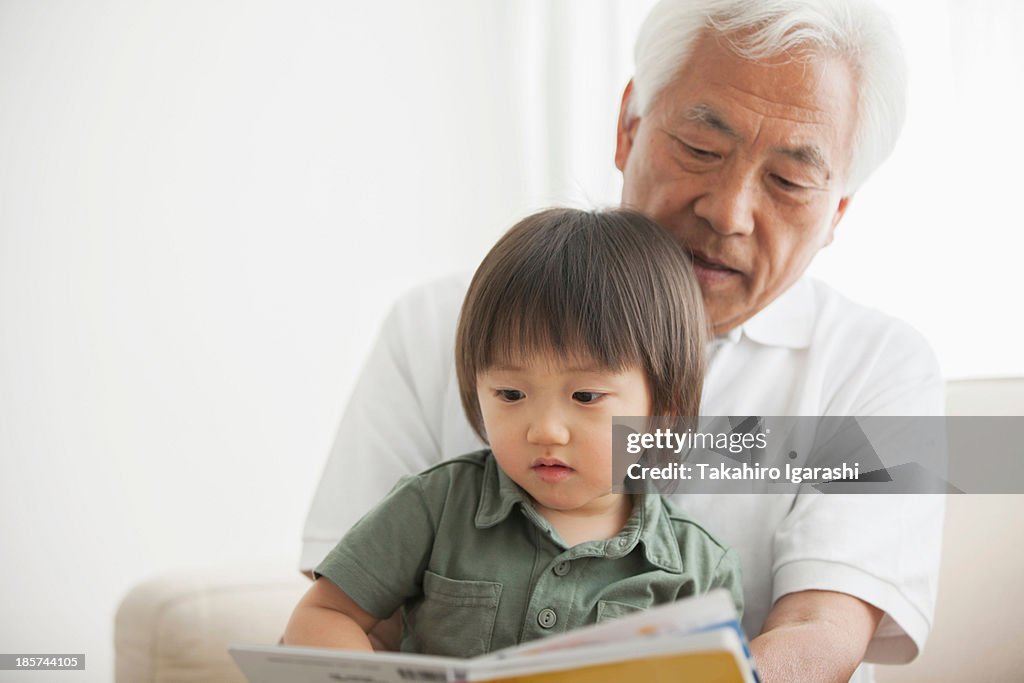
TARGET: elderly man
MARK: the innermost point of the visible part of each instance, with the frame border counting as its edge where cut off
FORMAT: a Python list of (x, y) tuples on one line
[(744, 133)]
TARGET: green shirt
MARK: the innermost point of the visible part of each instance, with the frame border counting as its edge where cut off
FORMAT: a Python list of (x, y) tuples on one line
[(475, 568)]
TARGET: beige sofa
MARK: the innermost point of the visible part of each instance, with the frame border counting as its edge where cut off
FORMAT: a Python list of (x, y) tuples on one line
[(176, 629)]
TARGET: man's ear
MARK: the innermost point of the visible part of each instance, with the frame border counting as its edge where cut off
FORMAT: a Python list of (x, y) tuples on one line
[(626, 129), (844, 202)]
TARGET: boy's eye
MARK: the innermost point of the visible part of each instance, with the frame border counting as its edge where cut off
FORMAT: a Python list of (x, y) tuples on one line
[(586, 396), (510, 395)]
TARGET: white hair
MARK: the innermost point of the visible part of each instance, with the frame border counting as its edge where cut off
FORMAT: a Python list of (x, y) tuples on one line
[(856, 31)]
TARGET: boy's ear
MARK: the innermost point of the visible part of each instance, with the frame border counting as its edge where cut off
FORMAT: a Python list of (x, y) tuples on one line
[(626, 129)]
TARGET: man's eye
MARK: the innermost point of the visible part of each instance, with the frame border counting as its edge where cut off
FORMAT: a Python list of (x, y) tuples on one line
[(586, 396), (787, 184), (698, 153), (510, 395)]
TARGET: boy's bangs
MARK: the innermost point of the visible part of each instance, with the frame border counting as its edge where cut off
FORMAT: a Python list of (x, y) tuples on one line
[(607, 290), (563, 331)]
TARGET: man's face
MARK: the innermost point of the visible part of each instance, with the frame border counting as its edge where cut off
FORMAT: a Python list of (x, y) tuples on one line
[(745, 163)]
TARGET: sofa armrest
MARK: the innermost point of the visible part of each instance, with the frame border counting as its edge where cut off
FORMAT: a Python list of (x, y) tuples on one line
[(978, 616), (177, 628)]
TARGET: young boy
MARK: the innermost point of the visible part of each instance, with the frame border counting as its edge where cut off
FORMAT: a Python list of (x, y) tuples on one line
[(573, 317)]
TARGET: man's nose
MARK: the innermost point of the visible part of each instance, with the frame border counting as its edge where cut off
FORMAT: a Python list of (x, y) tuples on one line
[(548, 429), (729, 203)]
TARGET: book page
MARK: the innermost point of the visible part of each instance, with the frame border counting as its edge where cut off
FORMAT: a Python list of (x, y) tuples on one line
[(275, 664)]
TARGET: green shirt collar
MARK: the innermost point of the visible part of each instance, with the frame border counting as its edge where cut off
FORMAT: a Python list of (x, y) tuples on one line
[(649, 524)]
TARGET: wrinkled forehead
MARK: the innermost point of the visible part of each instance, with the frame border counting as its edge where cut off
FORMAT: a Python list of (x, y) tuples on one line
[(809, 85), (804, 104)]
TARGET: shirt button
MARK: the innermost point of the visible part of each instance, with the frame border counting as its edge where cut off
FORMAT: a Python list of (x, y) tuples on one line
[(623, 542), (547, 618), (562, 568)]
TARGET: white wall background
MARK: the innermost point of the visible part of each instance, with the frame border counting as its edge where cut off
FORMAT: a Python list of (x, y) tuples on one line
[(937, 235), (205, 208)]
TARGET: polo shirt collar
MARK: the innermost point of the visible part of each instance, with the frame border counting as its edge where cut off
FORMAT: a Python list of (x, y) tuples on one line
[(788, 321), (649, 524), (661, 547), (498, 495)]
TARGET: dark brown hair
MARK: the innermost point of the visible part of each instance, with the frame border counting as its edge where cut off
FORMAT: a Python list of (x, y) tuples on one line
[(606, 287)]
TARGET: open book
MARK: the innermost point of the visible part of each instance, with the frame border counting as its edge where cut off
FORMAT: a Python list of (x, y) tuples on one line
[(698, 640)]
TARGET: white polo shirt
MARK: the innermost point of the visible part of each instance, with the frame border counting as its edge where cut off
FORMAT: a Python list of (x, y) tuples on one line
[(810, 352)]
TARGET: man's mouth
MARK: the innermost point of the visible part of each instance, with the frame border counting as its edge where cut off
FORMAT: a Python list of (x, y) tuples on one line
[(709, 271)]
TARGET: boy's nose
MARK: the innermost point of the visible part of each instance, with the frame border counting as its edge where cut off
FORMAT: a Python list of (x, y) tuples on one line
[(547, 430)]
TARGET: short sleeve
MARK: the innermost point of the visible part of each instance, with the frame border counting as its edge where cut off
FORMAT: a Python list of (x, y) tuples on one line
[(709, 562), (883, 549), (727, 576), (380, 562)]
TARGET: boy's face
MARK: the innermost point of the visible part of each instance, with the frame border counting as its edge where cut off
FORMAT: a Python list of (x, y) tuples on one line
[(549, 424)]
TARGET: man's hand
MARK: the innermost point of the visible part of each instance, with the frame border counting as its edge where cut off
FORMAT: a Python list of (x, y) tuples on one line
[(814, 636)]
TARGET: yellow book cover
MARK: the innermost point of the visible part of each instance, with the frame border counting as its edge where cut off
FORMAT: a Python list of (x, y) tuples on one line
[(698, 640)]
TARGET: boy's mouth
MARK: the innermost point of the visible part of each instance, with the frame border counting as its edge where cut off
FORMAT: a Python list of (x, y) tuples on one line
[(551, 469)]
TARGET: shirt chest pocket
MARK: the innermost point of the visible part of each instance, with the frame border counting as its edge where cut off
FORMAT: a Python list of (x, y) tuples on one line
[(609, 609), (455, 617)]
